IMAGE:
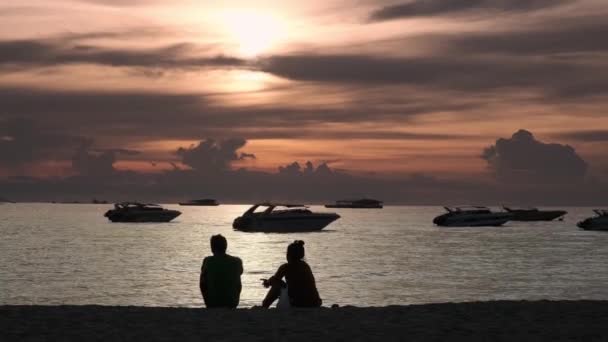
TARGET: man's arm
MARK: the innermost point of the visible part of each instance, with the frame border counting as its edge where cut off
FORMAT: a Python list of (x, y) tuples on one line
[(203, 281)]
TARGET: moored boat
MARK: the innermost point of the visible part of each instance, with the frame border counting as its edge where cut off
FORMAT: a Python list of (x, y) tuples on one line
[(597, 222), (364, 203), (282, 218), (138, 212), (534, 214), (471, 217)]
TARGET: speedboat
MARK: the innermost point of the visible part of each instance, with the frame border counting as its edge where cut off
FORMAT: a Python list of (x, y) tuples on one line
[(471, 217), (534, 214), (364, 203), (282, 218), (138, 212), (598, 222), (201, 202)]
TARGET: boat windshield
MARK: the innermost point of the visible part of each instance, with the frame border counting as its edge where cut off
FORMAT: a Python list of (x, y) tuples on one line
[(473, 209), (274, 207), (134, 205)]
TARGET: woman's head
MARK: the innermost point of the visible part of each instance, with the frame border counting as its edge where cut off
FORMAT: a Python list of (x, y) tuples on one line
[(295, 251)]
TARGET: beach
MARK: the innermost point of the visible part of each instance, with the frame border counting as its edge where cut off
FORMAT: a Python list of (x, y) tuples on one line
[(476, 321)]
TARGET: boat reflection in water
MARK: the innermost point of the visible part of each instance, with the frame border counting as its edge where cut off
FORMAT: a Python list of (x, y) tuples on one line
[(598, 222), (471, 217), (138, 212), (534, 214), (282, 218)]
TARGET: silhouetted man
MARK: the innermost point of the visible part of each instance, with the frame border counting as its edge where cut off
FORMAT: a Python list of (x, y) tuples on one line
[(221, 276)]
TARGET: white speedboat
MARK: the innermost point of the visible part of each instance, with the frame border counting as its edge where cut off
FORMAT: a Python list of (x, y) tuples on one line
[(471, 217), (138, 212), (598, 222), (282, 218)]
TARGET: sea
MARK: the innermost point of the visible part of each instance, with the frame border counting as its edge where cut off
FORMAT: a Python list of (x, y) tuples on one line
[(53, 254)]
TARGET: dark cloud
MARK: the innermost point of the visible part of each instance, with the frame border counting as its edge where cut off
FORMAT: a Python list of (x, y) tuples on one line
[(585, 136), (447, 72), (86, 162), (56, 52), (295, 169), (523, 159), (427, 8), (23, 140), (212, 155), (570, 35), (129, 116)]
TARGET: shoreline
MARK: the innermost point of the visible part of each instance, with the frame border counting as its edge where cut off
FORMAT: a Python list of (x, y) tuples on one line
[(494, 320)]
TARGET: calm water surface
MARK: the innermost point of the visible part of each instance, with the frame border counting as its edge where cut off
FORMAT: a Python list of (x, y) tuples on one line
[(70, 254)]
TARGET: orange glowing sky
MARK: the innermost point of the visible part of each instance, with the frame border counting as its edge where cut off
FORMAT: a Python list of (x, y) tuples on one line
[(370, 86)]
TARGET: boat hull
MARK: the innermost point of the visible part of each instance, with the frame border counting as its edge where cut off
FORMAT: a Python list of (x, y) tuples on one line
[(132, 216), (536, 215), (491, 220), (599, 224), (293, 224)]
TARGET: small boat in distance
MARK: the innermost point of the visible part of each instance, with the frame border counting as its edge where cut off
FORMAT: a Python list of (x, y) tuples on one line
[(282, 218), (364, 203), (201, 202), (598, 222), (138, 212), (534, 214), (471, 217)]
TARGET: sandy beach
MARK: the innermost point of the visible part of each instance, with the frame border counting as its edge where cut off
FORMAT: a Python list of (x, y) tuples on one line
[(496, 321)]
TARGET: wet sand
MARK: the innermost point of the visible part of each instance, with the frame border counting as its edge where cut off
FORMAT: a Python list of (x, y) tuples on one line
[(495, 321)]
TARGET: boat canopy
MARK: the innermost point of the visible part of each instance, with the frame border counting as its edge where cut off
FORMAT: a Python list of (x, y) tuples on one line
[(287, 205), (466, 208), (520, 208), (601, 212), (135, 204)]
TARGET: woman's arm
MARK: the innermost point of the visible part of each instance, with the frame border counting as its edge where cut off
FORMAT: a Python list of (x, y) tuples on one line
[(278, 276)]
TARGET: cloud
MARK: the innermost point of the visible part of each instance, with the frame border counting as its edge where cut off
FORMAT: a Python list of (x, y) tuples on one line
[(566, 35), (294, 169), (212, 155), (585, 136), (427, 8), (30, 53), (23, 141), (523, 159), (130, 116), (447, 72), (91, 163)]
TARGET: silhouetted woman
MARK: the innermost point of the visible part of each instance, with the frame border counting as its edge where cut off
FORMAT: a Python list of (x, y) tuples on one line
[(301, 286)]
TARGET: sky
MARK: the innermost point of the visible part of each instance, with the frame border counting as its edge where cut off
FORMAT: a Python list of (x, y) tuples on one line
[(411, 101)]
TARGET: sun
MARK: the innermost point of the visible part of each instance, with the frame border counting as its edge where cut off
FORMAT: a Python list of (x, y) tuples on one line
[(251, 32)]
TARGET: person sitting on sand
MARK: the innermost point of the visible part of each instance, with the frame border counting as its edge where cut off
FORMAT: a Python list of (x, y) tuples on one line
[(220, 281), (301, 286)]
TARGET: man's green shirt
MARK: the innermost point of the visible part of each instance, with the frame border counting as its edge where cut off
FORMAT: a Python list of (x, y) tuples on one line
[(221, 281)]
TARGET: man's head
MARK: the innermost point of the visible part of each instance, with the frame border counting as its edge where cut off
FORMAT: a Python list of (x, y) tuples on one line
[(218, 244)]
